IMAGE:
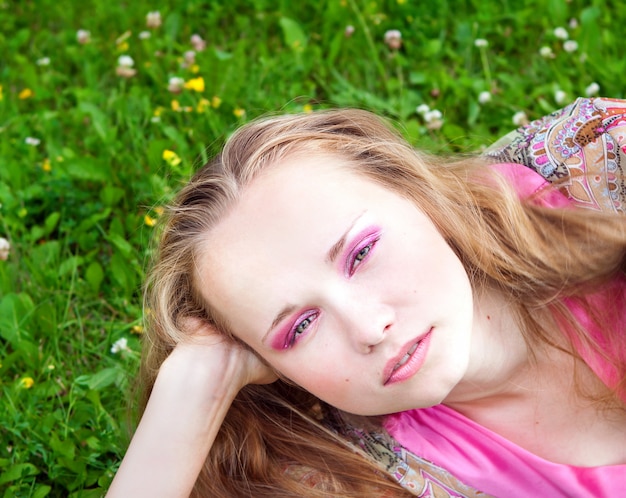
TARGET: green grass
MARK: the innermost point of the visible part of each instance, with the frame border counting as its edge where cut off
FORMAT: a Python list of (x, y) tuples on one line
[(78, 207)]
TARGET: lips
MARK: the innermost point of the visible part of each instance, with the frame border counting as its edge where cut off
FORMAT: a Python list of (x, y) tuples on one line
[(410, 359)]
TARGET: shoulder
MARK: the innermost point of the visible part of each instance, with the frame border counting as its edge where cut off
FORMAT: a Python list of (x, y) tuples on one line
[(581, 149)]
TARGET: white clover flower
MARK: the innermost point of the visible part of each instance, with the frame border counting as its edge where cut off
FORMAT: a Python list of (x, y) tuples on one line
[(573, 23), (83, 36), (125, 72), (189, 58), (197, 42), (484, 97), (153, 19), (124, 67), (433, 115), (592, 89), (176, 84), (433, 119), (349, 31), (120, 345), (422, 109), (44, 61), (561, 33), (393, 39), (32, 141), (144, 35), (5, 247), (520, 118), (570, 46), (481, 43), (125, 61), (546, 52), (560, 96)]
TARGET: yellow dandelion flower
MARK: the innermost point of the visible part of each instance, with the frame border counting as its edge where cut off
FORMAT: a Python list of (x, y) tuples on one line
[(149, 220), (195, 69), (158, 111), (307, 108), (25, 94), (202, 105), (137, 329), (123, 47), (216, 102), (171, 157), (175, 105), (159, 210), (46, 165), (195, 84), (239, 112), (27, 382)]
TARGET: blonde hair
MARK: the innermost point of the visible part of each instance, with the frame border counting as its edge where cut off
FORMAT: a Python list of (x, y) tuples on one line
[(503, 243)]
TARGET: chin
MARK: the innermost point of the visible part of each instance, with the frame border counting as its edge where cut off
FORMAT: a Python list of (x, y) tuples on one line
[(437, 394)]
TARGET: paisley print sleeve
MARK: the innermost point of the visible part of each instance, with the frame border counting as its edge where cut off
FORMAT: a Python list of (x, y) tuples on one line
[(416, 475), (581, 149)]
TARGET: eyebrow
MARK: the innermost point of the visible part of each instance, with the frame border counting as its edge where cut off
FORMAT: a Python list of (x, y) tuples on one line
[(331, 256)]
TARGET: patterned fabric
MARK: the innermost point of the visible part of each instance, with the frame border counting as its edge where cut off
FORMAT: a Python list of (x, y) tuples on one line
[(416, 475), (581, 148)]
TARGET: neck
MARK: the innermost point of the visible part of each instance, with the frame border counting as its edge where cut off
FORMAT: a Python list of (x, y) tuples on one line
[(528, 394), (501, 364)]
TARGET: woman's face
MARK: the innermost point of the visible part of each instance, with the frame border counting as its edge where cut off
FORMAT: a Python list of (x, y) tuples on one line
[(343, 286)]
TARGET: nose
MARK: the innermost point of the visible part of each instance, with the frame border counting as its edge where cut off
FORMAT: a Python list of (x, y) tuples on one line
[(366, 324)]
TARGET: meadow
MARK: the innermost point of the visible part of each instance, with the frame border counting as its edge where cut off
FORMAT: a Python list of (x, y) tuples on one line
[(106, 108)]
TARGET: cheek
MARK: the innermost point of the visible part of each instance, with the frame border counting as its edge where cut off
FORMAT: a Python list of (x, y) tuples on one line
[(323, 379)]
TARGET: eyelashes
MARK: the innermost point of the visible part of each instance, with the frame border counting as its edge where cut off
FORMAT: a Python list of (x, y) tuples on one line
[(302, 323), (360, 253)]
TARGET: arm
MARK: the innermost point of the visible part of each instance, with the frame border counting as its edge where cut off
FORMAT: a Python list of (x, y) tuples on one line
[(191, 396)]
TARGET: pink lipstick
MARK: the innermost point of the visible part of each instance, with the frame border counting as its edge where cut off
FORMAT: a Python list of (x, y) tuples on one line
[(409, 362)]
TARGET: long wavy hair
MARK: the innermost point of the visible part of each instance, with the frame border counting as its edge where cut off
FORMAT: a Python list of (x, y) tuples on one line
[(278, 440)]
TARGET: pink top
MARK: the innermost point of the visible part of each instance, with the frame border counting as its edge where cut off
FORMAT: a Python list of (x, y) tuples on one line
[(486, 461)]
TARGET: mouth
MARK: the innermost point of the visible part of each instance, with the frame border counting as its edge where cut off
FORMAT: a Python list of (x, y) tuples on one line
[(408, 363)]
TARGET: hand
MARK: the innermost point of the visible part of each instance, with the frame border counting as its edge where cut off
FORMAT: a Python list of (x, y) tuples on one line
[(210, 353)]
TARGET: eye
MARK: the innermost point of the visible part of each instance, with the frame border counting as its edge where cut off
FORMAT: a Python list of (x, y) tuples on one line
[(300, 327), (360, 255)]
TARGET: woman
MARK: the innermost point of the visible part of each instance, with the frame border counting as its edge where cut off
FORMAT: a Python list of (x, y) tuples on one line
[(321, 287)]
